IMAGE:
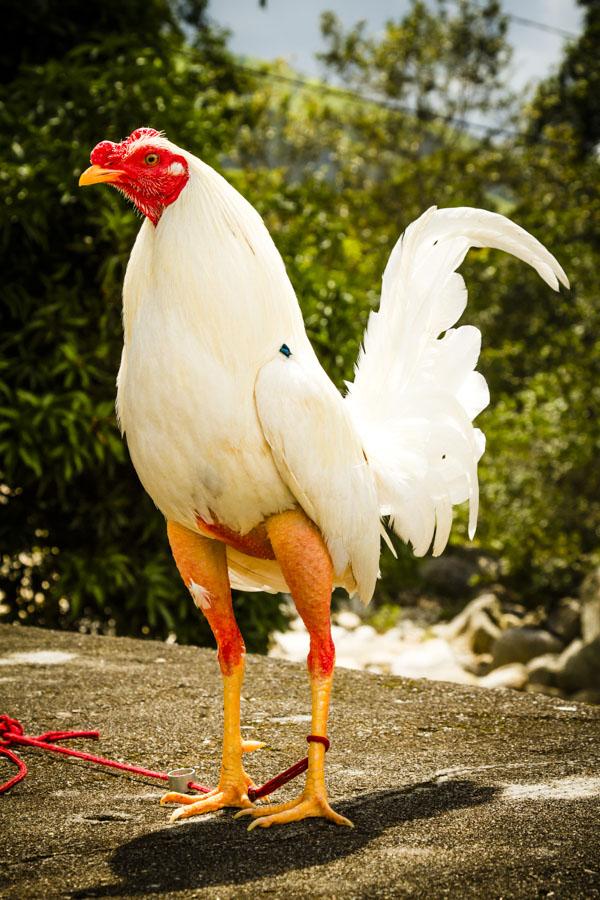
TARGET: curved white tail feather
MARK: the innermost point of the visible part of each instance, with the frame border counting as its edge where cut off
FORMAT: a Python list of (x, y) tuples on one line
[(415, 394)]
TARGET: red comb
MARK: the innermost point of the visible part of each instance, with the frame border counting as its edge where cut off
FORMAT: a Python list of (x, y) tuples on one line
[(140, 133), (103, 153), (106, 152)]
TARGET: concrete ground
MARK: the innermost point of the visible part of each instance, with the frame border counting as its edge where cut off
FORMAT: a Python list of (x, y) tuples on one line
[(454, 791)]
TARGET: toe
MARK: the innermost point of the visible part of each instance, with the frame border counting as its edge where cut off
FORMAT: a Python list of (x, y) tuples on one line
[(295, 811), (219, 799), (251, 746), (183, 799), (267, 810), (294, 814), (198, 808), (339, 820)]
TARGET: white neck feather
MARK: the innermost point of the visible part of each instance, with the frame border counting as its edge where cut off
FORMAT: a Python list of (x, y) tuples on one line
[(210, 266)]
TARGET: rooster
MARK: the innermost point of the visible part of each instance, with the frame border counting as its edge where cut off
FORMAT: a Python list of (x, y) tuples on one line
[(269, 479)]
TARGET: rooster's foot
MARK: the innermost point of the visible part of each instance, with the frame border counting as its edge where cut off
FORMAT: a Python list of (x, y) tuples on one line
[(192, 805), (303, 807), (229, 793)]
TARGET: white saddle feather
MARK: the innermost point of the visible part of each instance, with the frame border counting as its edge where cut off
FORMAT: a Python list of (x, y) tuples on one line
[(416, 391)]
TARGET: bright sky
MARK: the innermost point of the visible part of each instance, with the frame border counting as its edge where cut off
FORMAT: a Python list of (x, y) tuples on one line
[(290, 29)]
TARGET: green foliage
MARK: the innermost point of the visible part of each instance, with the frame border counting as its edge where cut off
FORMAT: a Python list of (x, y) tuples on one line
[(336, 180), (81, 542), (385, 616), (540, 482), (434, 60), (571, 95), (373, 168)]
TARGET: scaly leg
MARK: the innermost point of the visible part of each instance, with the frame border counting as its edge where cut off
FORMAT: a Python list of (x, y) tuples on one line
[(202, 563), (306, 565)]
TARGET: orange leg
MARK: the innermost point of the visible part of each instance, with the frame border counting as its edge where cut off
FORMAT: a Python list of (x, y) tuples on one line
[(305, 562), (202, 563)]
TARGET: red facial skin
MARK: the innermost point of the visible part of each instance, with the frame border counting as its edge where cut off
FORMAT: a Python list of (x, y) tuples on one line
[(151, 176)]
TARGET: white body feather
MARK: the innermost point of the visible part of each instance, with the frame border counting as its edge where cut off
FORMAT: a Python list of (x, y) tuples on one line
[(222, 425)]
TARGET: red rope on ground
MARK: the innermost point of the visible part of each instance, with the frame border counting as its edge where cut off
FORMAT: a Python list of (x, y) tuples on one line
[(19, 764), (12, 732)]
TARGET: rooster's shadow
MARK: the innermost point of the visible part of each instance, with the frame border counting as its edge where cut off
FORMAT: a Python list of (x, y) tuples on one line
[(218, 851)]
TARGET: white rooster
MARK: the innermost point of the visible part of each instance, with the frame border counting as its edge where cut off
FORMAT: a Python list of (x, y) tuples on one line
[(268, 478)]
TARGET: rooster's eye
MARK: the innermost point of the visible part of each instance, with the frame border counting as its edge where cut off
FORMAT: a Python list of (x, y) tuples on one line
[(151, 159)]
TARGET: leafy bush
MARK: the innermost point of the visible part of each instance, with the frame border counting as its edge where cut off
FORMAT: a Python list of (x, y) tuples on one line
[(82, 543), (336, 180)]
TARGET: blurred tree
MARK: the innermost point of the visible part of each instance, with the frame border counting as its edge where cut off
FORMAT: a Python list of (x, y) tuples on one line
[(357, 172), (436, 62), (337, 179), (81, 542), (41, 30), (540, 481), (571, 95)]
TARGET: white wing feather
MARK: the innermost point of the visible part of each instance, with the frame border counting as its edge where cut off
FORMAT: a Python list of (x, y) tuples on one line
[(415, 393), (320, 458)]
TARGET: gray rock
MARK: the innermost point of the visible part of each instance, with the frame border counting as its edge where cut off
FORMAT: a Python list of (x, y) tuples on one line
[(477, 665), (510, 619), (546, 689), (542, 670), (564, 620), (482, 632), (579, 666), (513, 676), (462, 625), (590, 606), (449, 574), (347, 619), (522, 644), (590, 695)]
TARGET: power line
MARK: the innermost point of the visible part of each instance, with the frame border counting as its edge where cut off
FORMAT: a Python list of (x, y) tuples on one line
[(533, 23), (394, 106), (520, 20), (390, 105), (541, 26)]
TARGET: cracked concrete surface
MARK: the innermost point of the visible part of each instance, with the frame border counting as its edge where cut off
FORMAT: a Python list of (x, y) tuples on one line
[(454, 791)]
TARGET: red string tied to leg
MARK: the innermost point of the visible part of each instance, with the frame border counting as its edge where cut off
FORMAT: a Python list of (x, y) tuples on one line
[(287, 775)]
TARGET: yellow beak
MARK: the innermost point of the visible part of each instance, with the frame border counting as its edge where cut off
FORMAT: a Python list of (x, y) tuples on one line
[(96, 175)]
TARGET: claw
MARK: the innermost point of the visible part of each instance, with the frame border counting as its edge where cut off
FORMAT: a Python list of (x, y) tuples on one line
[(220, 800), (227, 794), (185, 799), (251, 746), (293, 811)]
